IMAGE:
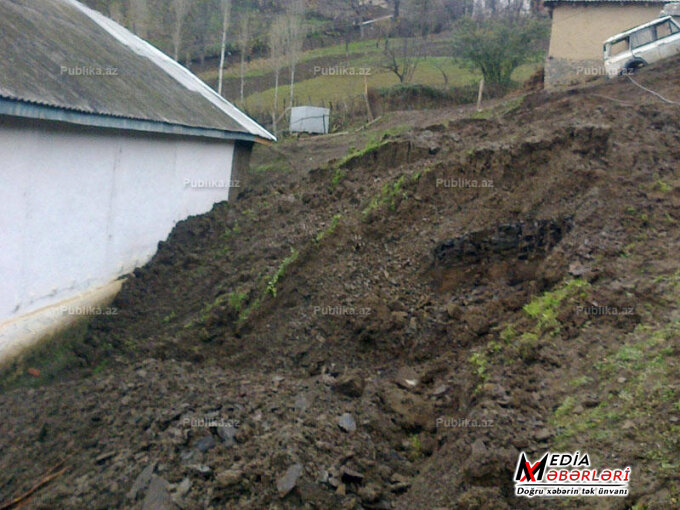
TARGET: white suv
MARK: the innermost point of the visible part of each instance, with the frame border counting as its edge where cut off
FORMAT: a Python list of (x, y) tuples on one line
[(628, 51)]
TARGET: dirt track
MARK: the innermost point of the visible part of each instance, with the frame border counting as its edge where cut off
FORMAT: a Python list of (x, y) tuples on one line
[(355, 333)]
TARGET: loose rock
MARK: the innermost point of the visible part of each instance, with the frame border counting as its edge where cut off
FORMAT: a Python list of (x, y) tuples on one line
[(287, 482), (346, 423), (158, 496)]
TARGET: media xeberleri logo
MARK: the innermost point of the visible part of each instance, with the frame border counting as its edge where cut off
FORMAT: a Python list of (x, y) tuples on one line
[(568, 474)]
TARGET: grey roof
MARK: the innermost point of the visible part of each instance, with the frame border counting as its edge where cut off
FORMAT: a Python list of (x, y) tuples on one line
[(59, 56), (613, 2)]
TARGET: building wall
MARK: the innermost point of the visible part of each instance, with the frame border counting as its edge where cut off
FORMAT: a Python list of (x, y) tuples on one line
[(578, 33), (80, 208)]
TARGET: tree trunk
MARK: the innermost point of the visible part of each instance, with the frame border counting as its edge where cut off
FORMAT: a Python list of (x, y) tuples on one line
[(176, 41), (276, 100), (220, 74), (180, 7), (226, 6), (245, 48), (243, 73)]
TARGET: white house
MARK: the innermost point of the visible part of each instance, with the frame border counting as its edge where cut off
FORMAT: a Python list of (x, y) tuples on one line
[(105, 144)]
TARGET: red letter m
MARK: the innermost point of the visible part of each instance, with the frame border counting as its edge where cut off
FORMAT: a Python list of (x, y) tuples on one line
[(526, 472)]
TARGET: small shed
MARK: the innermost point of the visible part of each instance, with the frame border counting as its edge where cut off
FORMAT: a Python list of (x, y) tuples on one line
[(310, 119)]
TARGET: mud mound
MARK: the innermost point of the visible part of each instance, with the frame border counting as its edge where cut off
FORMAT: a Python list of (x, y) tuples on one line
[(389, 329)]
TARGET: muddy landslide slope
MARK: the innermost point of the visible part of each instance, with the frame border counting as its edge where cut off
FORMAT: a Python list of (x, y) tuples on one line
[(385, 319)]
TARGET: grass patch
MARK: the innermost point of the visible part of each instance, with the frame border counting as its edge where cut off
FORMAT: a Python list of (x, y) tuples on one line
[(520, 340), (270, 288), (500, 110), (416, 448), (337, 178), (644, 372), (544, 309), (389, 194), (662, 186), (480, 363), (328, 231), (322, 90), (280, 272), (374, 143), (236, 300), (231, 231), (50, 360)]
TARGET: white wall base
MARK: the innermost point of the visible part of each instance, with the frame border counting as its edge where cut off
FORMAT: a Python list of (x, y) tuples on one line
[(82, 207), (19, 334)]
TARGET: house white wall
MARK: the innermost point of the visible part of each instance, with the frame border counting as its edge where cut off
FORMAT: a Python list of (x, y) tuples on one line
[(79, 208)]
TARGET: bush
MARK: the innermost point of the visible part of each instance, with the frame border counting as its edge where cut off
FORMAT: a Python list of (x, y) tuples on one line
[(497, 46), (421, 97)]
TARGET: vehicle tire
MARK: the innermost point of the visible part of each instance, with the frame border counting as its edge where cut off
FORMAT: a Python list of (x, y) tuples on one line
[(633, 67)]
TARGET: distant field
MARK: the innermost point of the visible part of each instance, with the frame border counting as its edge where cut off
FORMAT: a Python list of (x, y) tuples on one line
[(313, 88), (324, 89), (263, 66)]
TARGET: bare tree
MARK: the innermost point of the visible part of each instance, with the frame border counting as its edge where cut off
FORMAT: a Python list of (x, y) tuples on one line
[(278, 35), (343, 24), (439, 66), (203, 10), (244, 48), (139, 17), (225, 8), (117, 12), (425, 16), (295, 38), (397, 8), (403, 60), (180, 9)]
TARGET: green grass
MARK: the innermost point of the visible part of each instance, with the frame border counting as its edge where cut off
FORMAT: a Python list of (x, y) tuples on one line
[(504, 108), (374, 143), (520, 340), (480, 363), (363, 54), (416, 448), (264, 66), (645, 362), (328, 231), (638, 384), (54, 358), (544, 309), (337, 178), (236, 300), (271, 288), (231, 231), (389, 194), (662, 186), (280, 272)]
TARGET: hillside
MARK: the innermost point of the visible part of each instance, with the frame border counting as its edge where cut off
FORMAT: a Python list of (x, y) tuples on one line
[(201, 22), (320, 82), (386, 318)]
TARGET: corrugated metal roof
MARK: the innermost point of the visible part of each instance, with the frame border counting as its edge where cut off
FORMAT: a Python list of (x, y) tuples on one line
[(659, 2), (60, 54)]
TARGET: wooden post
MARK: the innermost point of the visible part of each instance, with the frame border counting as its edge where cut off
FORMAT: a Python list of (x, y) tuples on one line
[(480, 94), (368, 103)]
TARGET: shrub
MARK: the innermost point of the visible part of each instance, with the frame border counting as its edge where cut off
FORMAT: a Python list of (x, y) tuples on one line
[(497, 46)]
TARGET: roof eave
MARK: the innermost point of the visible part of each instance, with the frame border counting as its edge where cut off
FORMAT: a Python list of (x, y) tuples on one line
[(553, 3), (27, 110)]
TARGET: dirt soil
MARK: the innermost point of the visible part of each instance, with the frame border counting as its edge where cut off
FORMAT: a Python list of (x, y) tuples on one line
[(385, 319)]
